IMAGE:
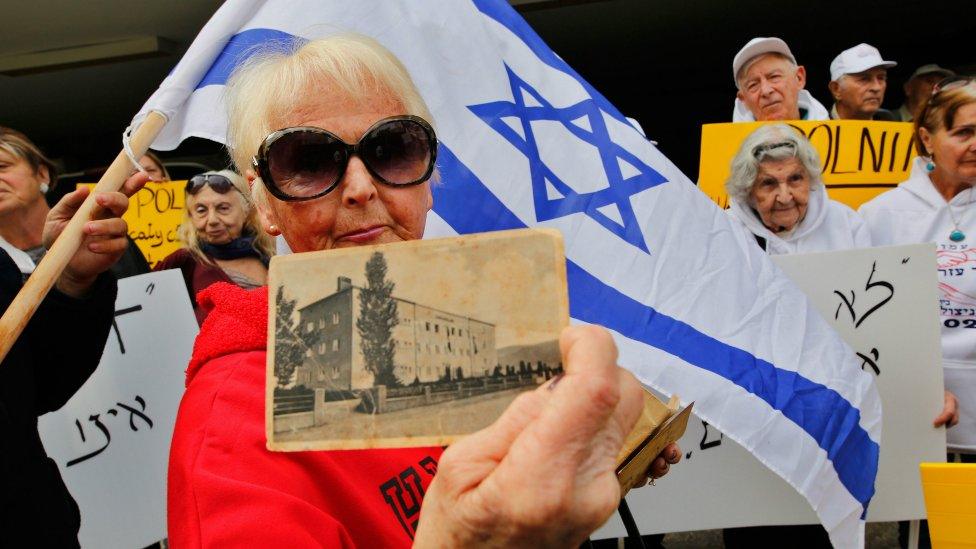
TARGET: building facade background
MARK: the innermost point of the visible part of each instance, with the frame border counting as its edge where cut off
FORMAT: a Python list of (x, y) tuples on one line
[(430, 344)]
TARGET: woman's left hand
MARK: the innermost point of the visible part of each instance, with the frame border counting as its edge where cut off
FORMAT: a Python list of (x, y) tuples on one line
[(670, 455), (104, 238), (950, 412)]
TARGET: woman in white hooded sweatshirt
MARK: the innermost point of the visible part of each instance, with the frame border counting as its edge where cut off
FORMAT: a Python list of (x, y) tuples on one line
[(777, 196), (937, 204)]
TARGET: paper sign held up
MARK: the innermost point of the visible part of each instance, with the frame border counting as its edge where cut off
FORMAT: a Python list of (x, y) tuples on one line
[(154, 215), (859, 159)]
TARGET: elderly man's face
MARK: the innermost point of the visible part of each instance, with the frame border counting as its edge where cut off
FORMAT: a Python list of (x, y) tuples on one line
[(360, 210), (781, 193), (918, 90), (770, 86), (859, 96)]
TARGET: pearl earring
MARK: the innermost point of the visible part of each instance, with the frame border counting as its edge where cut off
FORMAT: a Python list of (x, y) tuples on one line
[(274, 230), (44, 187)]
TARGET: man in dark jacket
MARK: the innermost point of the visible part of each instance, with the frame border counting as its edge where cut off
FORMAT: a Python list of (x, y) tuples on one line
[(57, 352)]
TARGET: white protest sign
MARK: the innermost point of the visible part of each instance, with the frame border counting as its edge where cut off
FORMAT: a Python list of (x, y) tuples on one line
[(884, 303), (111, 440)]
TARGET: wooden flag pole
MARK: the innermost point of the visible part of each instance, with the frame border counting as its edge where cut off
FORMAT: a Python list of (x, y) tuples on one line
[(53, 263)]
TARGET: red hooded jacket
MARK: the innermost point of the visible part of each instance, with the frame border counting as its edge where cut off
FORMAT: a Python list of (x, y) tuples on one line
[(227, 490)]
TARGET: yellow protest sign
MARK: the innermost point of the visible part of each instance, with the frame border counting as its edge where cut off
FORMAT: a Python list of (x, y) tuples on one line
[(860, 159), (154, 215)]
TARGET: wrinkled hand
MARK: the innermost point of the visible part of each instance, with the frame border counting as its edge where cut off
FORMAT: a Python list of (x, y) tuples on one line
[(104, 236), (543, 473), (950, 412), (670, 455)]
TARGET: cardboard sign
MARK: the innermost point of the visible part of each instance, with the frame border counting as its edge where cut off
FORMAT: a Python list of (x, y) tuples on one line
[(860, 159), (154, 215), (883, 302), (111, 440)]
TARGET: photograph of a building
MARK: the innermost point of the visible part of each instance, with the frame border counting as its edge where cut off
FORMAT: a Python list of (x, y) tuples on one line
[(430, 344), (412, 343)]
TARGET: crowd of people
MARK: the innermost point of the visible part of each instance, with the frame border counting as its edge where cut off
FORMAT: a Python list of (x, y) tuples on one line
[(346, 160)]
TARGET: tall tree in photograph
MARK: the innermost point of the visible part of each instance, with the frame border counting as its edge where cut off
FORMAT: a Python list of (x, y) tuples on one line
[(289, 348), (377, 318)]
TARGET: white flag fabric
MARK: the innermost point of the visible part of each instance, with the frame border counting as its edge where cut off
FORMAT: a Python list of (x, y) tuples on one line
[(696, 309)]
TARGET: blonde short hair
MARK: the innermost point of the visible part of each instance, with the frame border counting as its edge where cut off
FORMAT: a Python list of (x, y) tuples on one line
[(939, 112), (263, 243), (281, 79)]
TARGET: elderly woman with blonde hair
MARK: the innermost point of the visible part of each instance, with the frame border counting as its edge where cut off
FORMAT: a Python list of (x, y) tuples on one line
[(777, 196), (223, 241), (339, 148)]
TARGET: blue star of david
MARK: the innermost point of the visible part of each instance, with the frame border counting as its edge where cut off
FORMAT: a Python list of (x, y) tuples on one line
[(619, 190)]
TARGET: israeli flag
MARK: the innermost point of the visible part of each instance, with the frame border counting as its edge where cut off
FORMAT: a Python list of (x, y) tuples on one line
[(696, 309)]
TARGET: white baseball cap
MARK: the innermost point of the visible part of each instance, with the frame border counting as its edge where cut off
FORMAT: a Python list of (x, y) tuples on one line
[(755, 47), (857, 59)]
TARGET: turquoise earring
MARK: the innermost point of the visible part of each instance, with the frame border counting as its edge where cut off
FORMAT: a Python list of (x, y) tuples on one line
[(930, 166)]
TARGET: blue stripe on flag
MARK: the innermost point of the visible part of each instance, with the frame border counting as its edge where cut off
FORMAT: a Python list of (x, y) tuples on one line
[(468, 206), (240, 48)]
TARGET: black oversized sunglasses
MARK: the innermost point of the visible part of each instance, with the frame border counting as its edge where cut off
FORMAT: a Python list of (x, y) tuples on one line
[(305, 162), (217, 182)]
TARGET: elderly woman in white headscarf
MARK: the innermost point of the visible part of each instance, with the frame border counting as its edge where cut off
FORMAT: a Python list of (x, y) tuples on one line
[(777, 196)]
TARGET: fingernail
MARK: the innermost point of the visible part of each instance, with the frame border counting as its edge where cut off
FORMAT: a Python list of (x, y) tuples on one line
[(555, 380)]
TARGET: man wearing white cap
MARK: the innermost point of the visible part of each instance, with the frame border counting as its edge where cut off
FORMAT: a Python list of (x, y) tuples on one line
[(918, 89), (770, 84), (858, 79)]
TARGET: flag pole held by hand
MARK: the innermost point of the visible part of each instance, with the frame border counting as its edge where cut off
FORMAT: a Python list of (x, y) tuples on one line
[(53, 263)]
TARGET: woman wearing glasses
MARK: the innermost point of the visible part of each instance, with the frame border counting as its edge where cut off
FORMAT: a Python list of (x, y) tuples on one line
[(777, 196), (345, 160), (223, 241), (937, 204)]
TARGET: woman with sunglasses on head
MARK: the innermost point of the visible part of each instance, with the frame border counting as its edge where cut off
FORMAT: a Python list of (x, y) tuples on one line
[(776, 195), (937, 204), (223, 241), (338, 146)]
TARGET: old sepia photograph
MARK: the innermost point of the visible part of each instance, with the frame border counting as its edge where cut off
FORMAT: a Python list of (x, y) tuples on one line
[(410, 344)]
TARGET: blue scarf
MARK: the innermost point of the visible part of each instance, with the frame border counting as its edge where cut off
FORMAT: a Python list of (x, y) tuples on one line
[(240, 247)]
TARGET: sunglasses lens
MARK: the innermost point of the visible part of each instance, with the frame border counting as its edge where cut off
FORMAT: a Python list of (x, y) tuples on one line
[(195, 183), (219, 183), (305, 163), (399, 151)]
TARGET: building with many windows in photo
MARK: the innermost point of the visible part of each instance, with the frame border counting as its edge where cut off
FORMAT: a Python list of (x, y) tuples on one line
[(431, 344)]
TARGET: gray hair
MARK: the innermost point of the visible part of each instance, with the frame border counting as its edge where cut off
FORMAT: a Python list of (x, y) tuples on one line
[(770, 142)]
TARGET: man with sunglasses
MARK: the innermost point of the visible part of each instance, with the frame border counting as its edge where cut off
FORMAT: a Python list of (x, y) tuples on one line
[(346, 160)]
